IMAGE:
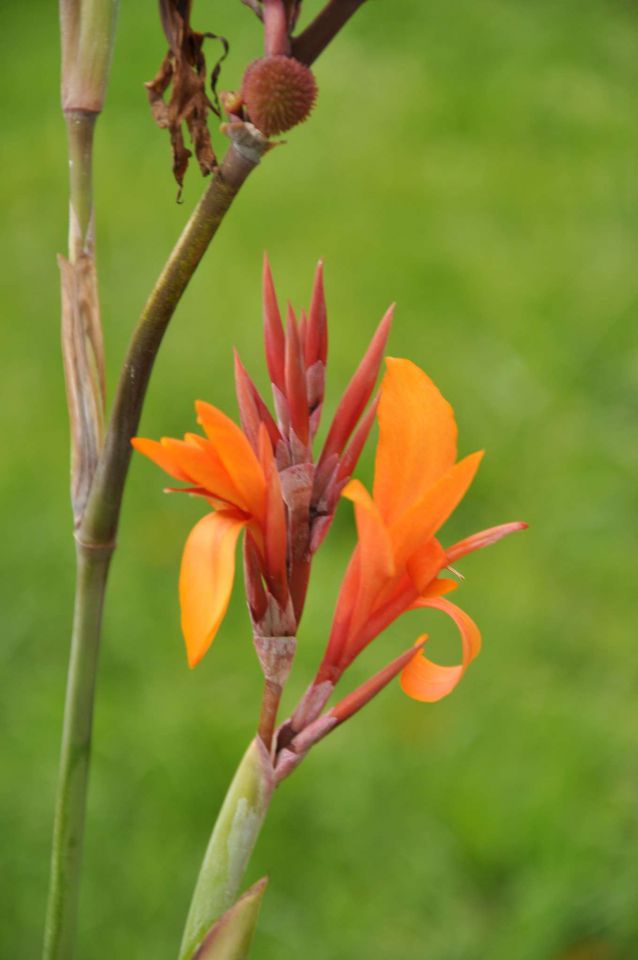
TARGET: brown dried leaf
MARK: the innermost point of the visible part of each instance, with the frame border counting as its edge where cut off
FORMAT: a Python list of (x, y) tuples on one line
[(183, 69)]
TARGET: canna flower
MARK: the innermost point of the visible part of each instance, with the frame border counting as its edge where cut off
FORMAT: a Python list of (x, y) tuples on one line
[(398, 561), (263, 479)]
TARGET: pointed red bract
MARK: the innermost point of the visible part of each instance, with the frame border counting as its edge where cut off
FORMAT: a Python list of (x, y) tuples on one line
[(256, 411), (358, 391), (483, 539), (273, 331), (295, 376), (316, 344)]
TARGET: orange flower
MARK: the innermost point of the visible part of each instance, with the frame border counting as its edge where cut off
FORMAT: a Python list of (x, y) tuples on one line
[(243, 488), (263, 478), (395, 566)]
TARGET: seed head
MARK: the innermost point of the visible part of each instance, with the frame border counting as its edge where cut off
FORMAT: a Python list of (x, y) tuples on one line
[(279, 92)]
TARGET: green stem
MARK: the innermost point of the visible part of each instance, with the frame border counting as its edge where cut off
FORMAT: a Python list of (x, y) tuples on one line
[(231, 844), (80, 127), (68, 829)]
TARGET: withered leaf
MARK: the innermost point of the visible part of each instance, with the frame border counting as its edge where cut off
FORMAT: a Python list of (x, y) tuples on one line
[(183, 69)]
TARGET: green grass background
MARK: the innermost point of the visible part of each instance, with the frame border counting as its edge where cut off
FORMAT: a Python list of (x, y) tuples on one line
[(475, 161)]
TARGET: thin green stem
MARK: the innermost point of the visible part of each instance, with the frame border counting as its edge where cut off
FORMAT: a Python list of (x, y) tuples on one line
[(80, 127), (68, 829)]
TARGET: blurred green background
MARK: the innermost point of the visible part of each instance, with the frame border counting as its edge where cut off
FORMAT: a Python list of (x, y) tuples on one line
[(475, 161)]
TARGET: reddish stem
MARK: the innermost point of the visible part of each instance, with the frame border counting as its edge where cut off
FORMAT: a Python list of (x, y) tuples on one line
[(318, 34), (276, 36), (268, 715)]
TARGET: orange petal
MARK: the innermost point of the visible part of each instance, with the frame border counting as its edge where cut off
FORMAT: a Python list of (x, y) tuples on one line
[(427, 681), (374, 547), (419, 524), (425, 563), (206, 579), (377, 559), (198, 460), (438, 588), (237, 455), (417, 438), (158, 453)]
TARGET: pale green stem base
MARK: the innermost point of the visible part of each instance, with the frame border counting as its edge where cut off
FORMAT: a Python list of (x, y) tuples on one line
[(231, 844), (68, 829)]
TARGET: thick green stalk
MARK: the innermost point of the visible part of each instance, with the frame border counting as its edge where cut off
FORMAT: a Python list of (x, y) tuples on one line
[(231, 844), (68, 829)]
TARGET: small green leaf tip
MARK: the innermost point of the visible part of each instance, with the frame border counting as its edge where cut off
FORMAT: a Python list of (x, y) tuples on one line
[(230, 937)]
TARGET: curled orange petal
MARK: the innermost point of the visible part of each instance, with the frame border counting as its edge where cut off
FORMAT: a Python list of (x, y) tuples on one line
[(206, 579), (427, 681)]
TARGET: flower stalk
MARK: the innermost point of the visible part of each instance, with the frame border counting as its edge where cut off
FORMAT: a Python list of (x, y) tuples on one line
[(231, 845), (87, 29)]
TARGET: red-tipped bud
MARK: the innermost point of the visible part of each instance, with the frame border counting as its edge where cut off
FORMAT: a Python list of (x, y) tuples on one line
[(279, 92), (346, 708), (273, 330), (252, 408), (358, 391), (296, 380), (316, 347), (483, 539), (363, 694)]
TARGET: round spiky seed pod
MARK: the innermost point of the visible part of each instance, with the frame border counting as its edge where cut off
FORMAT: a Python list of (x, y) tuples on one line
[(279, 92)]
